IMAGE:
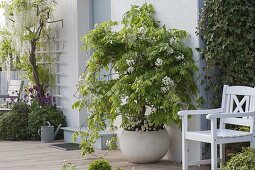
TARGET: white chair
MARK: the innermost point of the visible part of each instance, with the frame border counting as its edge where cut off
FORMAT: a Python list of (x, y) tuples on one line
[(237, 108), (13, 94)]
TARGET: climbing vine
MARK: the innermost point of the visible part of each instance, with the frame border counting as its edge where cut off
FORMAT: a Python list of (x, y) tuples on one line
[(228, 30)]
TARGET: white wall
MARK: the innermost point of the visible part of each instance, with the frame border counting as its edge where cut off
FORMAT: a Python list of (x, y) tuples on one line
[(76, 17), (180, 14), (101, 11)]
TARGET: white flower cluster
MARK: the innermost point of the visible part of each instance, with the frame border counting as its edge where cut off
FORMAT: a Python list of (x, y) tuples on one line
[(170, 51), (141, 30), (173, 40), (167, 81), (141, 126), (159, 62), (130, 62), (167, 84), (131, 38), (180, 57), (130, 69)]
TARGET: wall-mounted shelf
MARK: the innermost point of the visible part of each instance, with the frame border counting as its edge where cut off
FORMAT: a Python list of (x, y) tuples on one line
[(43, 63), (53, 40), (60, 85), (60, 62), (58, 95), (60, 74), (60, 107), (40, 52)]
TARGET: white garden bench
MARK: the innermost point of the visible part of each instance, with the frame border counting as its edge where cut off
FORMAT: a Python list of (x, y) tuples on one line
[(237, 108)]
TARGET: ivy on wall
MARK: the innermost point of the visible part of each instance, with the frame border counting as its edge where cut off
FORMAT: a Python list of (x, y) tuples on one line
[(228, 30)]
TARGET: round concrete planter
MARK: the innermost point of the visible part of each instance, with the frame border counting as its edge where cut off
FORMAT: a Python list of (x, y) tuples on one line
[(144, 147)]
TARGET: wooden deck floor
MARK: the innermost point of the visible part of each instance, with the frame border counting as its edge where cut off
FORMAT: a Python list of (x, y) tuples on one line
[(33, 155)]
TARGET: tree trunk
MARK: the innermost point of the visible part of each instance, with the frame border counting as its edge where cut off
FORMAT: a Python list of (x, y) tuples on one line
[(32, 61)]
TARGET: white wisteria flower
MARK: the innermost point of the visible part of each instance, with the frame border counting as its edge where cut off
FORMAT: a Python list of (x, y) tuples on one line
[(167, 81), (159, 62), (130, 62), (173, 40), (170, 51), (130, 69), (141, 30), (165, 89), (180, 57), (167, 84)]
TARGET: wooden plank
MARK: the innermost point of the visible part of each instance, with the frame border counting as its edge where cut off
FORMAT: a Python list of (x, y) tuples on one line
[(30, 155)]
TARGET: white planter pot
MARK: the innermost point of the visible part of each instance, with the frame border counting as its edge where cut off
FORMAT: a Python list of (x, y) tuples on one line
[(144, 147)]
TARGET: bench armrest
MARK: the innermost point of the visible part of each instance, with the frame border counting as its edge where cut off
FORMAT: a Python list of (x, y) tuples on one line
[(229, 115), (200, 112)]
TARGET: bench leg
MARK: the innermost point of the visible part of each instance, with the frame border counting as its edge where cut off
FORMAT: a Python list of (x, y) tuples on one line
[(222, 154), (184, 155), (214, 161)]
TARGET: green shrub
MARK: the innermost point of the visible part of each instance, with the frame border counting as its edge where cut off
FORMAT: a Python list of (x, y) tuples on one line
[(100, 164), (20, 107), (14, 124), (244, 160), (40, 115)]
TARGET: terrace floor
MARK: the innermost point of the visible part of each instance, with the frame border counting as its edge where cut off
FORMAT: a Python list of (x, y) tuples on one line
[(34, 155)]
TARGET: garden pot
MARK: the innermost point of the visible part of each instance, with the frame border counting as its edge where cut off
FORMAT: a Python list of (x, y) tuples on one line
[(144, 147)]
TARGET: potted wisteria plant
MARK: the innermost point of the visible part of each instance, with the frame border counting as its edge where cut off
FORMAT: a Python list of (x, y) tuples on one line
[(142, 73)]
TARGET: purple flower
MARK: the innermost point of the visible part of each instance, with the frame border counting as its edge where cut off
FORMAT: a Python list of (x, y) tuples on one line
[(31, 90), (37, 88)]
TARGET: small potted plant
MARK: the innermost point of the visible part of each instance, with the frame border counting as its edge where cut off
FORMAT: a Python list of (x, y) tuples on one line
[(142, 73)]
